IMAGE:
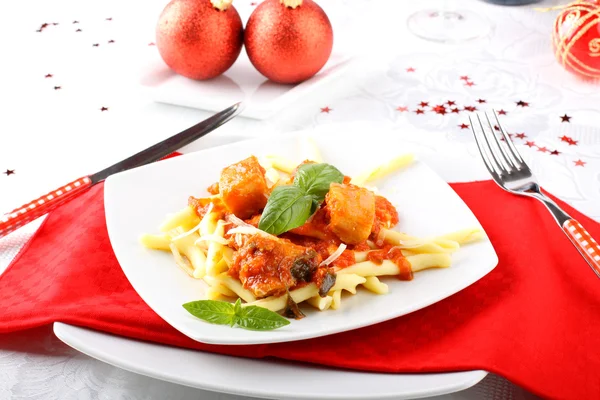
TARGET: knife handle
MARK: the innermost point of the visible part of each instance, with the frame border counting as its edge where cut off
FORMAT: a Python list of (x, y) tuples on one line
[(34, 209)]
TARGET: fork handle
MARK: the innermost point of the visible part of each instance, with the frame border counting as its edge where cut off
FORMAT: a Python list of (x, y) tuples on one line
[(42, 205), (584, 243)]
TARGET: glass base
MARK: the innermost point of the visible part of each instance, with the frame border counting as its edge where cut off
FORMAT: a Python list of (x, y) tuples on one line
[(448, 26)]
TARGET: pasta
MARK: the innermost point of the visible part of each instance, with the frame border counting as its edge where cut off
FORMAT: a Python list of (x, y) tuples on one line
[(336, 237)]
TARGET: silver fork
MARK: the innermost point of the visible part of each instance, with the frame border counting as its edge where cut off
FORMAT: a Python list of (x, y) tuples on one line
[(512, 174)]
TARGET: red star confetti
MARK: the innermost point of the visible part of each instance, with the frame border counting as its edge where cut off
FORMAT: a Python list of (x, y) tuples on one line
[(402, 109), (111, 41), (469, 84), (410, 69), (57, 87), (481, 101), (522, 103), (470, 108), (565, 118), (502, 112), (464, 126), (96, 44), (520, 135), (530, 144), (78, 30), (464, 78), (569, 140), (9, 172), (543, 149), (455, 110), (326, 110), (450, 103), (151, 44), (44, 25), (419, 111), (439, 109), (496, 128), (423, 104), (104, 109), (48, 76), (580, 163), (555, 152)]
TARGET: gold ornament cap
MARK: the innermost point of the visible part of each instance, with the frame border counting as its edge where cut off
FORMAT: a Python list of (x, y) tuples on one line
[(291, 3), (221, 5)]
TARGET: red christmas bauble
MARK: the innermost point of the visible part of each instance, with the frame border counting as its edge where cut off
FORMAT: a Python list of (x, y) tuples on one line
[(576, 38), (288, 41), (199, 39)]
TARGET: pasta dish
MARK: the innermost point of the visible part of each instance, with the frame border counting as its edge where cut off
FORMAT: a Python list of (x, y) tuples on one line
[(275, 234)]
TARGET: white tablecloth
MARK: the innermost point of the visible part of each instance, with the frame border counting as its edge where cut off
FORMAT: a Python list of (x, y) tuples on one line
[(55, 83)]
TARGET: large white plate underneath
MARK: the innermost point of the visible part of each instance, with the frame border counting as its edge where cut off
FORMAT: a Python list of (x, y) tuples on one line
[(270, 379)]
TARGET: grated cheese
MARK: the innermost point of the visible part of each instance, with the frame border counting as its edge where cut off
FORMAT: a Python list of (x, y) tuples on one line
[(335, 255), (212, 238)]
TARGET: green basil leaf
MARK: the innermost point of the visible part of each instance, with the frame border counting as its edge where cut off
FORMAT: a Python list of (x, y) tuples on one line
[(288, 208), (259, 319), (213, 311), (316, 178)]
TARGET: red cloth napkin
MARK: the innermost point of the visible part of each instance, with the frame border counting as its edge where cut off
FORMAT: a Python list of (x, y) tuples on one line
[(535, 319)]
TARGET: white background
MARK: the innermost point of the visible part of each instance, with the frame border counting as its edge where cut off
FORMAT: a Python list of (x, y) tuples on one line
[(50, 136)]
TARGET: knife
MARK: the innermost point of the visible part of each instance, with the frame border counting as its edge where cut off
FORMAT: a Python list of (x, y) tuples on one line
[(34, 209)]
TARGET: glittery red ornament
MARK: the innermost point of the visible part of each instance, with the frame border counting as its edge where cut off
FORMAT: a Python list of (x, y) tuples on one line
[(576, 38), (288, 41), (199, 39)]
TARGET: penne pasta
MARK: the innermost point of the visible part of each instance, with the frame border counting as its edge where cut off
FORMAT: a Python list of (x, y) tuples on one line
[(215, 252), (185, 218), (156, 242), (383, 170), (236, 287), (418, 262), (348, 282), (374, 285), (278, 303), (464, 236), (320, 303), (336, 299), (281, 163)]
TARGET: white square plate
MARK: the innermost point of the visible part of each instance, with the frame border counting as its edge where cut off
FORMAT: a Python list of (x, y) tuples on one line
[(242, 82), (136, 202)]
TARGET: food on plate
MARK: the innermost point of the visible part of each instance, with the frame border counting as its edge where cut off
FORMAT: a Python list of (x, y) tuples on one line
[(275, 234)]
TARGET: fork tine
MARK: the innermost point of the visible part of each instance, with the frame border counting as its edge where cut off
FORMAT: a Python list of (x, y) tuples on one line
[(505, 160), (483, 150), (513, 150), (501, 167)]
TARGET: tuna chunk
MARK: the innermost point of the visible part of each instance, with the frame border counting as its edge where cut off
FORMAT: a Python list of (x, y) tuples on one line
[(243, 187), (351, 211), (269, 266)]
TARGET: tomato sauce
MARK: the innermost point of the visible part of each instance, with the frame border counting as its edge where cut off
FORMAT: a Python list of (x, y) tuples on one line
[(395, 255)]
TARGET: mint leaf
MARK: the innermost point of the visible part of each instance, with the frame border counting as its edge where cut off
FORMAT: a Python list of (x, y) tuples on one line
[(213, 311), (316, 178), (288, 207), (259, 319)]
